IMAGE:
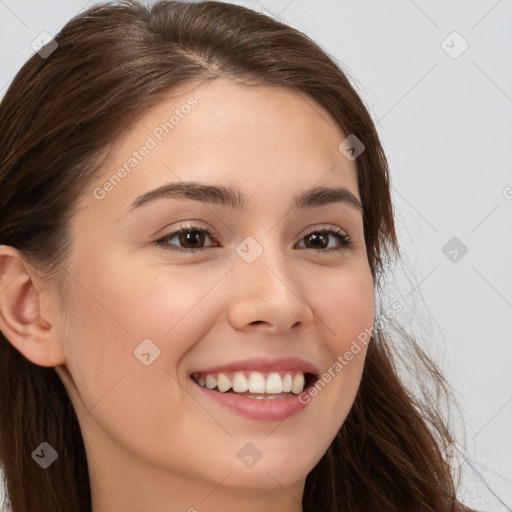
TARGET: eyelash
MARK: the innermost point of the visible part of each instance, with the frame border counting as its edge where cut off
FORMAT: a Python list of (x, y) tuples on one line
[(345, 239)]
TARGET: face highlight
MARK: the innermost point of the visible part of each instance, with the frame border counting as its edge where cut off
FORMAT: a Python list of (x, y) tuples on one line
[(234, 236)]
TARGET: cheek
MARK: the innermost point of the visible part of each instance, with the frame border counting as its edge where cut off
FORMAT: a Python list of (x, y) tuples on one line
[(114, 314), (112, 386), (154, 300), (346, 316), (98, 347), (346, 305)]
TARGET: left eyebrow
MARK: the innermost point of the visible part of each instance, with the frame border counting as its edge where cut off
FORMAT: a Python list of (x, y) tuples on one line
[(232, 197)]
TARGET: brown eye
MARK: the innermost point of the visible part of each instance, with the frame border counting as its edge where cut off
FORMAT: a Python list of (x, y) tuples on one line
[(319, 240), (189, 239)]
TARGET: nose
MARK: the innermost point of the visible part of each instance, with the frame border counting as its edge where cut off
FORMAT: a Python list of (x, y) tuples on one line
[(267, 296)]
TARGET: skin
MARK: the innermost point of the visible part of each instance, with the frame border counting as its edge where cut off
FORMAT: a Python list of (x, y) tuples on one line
[(154, 442)]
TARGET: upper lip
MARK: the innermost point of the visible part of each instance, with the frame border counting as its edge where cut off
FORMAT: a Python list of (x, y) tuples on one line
[(262, 364)]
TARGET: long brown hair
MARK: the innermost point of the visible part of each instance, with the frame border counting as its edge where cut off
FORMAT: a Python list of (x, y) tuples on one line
[(112, 63)]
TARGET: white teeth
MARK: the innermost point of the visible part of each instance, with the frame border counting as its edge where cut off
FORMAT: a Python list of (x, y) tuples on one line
[(223, 383), (274, 384), (298, 383), (211, 382), (287, 383), (256, 384), (240, 383)]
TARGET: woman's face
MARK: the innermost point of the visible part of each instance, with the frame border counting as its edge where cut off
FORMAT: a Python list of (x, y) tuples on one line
[(265, 293)]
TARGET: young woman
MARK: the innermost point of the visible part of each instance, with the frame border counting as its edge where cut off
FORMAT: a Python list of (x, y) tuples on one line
[(195, 217)]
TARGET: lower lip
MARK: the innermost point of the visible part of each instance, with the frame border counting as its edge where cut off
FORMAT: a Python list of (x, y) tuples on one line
[(273, 409)]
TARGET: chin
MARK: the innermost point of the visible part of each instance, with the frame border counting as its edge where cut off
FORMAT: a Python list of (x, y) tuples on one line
[(273, 477), (276, 468)]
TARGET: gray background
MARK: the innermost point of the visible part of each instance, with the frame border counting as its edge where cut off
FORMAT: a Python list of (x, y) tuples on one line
[(444, 117)]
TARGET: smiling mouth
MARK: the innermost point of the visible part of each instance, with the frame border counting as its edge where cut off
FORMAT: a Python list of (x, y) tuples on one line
[(258, 385)]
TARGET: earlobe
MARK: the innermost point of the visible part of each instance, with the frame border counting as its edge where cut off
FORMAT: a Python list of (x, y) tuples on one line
[(21, 320)]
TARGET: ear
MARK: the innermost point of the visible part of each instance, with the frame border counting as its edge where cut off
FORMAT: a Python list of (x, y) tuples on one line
[(21, 319)]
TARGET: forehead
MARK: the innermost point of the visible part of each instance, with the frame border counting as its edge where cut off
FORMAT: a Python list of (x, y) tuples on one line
[(221, 132), (233, 115)]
